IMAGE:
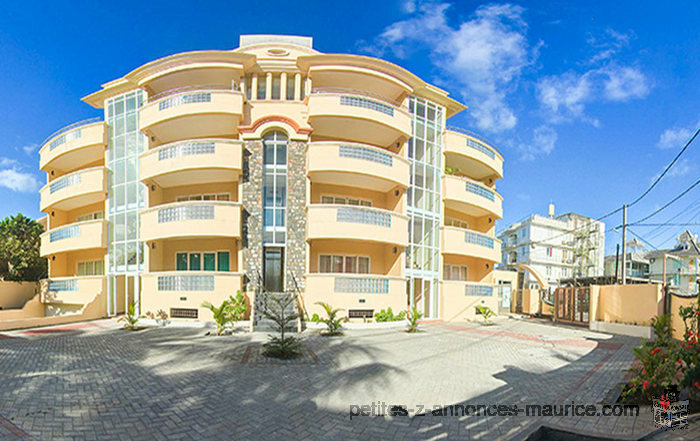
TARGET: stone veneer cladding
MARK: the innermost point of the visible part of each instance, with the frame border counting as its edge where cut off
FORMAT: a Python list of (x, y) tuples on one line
[(296, 216), (252, 213)]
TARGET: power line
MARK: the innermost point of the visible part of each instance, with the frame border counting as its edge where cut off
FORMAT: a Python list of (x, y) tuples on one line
[(668, 167), (641, 238), (686, 224), (683, 193)]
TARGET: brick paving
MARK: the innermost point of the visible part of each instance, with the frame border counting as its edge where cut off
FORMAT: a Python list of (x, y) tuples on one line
[(101, 383)]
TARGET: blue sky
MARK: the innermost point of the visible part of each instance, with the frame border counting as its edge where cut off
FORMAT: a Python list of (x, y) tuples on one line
[(587, 101)]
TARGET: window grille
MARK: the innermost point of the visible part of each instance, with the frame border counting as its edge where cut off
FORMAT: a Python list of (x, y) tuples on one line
[(356, 152), (365, 103), (190, 98), (363, 216), (364, 285), (65, 182), (185, 283), (185, 212), (65, 233), (187, 149)]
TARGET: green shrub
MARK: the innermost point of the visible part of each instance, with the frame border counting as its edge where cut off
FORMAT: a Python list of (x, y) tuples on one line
[(315, 318), (388, 316), (284, 346)]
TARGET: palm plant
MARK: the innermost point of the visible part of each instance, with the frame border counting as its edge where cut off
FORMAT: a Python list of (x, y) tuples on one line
[(413, 316), (333, 322), (486, 313), (130, 319)]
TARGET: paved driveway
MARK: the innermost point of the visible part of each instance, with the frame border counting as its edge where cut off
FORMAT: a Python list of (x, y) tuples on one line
[(101, 383)]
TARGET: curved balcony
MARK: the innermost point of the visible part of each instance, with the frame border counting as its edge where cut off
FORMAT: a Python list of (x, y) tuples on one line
[(74, 146), (471, 197), (325, 221), (199, 161), (192, 113), (191, 219), (354, 291), (354, 115), (73, 290), (75, 190), (76, 236), (356, 165), (187, 289), (470, 243), (472, 155)]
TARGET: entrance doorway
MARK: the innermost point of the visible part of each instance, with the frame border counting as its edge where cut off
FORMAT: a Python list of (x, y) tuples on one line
[(424, 297), (273, 269)]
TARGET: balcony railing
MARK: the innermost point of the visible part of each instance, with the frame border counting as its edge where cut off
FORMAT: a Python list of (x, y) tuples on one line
[(65, 233), (66, 181), (363, 216), (491, 146), (58, 141), (194, 89), (363, 99), (478, 239), (474, 289)]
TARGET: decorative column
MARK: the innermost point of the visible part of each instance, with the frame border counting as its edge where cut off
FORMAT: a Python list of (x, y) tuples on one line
[(268, 86), (283, 86), (254, 87), (297, 86)]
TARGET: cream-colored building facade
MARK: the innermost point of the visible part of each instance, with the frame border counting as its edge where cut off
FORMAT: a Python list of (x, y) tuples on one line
[(271, 166)]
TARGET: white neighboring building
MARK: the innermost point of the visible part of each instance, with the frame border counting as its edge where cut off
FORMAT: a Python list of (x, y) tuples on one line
[(558, 248)]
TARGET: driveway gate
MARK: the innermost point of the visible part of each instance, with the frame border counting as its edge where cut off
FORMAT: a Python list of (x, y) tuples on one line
[(572, 304)]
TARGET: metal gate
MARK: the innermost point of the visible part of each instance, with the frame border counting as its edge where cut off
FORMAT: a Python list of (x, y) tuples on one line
[(572, 304)]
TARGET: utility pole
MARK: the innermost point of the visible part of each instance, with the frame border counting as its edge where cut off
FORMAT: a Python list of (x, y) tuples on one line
[(617, 264), (624, 244)]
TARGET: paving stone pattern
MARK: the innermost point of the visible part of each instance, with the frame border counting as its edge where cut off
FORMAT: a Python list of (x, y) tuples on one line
[(178, 384)]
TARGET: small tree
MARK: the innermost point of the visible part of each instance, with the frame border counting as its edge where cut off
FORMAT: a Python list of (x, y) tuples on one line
[(19, 249), (333, 322), (230, 311), (130, 319), (413, 316), (284, 346), (486, 313)]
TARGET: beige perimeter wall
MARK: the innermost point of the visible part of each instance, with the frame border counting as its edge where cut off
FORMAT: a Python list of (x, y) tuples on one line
[(13, 295)]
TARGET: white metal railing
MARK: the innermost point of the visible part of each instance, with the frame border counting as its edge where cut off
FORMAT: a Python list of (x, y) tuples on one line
[(195, 88), (358, 92), (484, 140), (84, 122)]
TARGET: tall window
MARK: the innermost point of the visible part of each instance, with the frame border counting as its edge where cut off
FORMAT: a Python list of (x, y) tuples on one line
[(274, 188)]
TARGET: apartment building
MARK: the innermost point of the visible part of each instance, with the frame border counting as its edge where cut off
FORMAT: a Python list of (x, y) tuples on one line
[(271, 166), (636, 263), (679, 264), (561, 247)]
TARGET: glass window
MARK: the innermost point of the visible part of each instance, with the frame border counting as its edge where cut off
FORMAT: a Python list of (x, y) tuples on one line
[(209, 261), (261, 88), (363, 265), (351, 264), (325, 264), (195, 261), (326, 199), (131, 253), (223, 259), (337, 264), (290, 87), (223, 197), (181, 261), (276, 86)]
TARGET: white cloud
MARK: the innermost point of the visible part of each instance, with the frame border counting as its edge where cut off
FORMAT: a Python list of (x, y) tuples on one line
[(680, 168), (482, 58), (676, 137), (544, 139), (30, 148), (564, 97), (18, 181), (7, 162)]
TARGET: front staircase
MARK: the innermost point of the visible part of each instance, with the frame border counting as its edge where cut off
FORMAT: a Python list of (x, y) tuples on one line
[(266, 301)]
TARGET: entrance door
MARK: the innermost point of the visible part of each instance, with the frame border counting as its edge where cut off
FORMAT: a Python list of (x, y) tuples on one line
[(505, 298), (273, 269)]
